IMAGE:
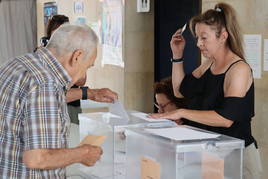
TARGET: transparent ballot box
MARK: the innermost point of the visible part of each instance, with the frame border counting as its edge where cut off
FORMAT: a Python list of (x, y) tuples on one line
[(108, 131), (181, 152)]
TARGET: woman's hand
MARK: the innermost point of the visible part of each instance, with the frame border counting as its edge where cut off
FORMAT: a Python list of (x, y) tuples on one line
[(177, 44), (173, 115)]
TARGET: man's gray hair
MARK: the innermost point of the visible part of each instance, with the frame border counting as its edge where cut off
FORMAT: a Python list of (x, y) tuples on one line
[(68, 38)]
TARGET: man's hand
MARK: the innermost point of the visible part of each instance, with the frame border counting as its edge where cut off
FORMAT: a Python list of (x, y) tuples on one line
[(92, 155), (102, 95), (58, 158)]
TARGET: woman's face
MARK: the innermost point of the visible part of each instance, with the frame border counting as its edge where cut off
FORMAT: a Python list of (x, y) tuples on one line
[(207, 41), (164, 104)]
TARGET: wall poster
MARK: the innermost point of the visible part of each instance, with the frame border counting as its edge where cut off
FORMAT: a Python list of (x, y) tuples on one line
[(111, 32), (50, 9), (252, 47)]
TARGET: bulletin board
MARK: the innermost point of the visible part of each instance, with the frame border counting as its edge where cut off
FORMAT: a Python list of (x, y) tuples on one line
[(50, 9)]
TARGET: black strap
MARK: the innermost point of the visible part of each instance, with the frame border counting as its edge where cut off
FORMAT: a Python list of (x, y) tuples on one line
[(229, 66), (84, 92), (232, 65)]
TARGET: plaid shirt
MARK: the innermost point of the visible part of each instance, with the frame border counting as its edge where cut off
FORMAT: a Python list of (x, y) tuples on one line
[(33, 112)]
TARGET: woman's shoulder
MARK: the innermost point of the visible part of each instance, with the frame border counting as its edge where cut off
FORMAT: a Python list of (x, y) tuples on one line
[(239, 66), (238, 79)]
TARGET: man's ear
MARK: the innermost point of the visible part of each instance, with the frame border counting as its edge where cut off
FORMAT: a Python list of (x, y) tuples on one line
[(77, 56)]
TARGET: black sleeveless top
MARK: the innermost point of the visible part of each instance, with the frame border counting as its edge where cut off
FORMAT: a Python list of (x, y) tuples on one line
[(206, 93)]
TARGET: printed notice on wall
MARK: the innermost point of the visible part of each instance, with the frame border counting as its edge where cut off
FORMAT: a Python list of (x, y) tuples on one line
[(265, 55), (252, 47), (111, 32), (78, 7)]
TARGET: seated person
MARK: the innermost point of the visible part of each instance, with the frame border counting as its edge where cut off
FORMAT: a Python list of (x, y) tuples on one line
[(165, 99)]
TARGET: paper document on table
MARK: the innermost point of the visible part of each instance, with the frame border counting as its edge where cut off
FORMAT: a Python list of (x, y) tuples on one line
[(144, 116), (118, 109), (182, 133)]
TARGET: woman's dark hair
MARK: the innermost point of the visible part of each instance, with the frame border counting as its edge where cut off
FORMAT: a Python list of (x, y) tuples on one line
[(55, 22), (165, 87)]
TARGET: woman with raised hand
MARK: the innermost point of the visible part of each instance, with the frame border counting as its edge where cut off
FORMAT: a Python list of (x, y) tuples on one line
[(220, 92)]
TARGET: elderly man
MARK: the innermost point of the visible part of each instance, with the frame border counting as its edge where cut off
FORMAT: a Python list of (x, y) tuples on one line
[(34, 121)]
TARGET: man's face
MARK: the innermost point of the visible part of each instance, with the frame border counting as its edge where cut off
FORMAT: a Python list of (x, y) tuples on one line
[(81, 62)]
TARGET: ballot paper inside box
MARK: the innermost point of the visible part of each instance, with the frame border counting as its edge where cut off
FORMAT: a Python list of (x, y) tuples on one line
[(108, 131), (95, 129), (181, 152)]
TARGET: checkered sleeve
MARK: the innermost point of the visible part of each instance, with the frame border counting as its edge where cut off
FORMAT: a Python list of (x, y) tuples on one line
[(43, 124)]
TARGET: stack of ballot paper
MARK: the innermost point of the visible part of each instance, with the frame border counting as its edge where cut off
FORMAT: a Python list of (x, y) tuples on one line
[(146, 118)]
